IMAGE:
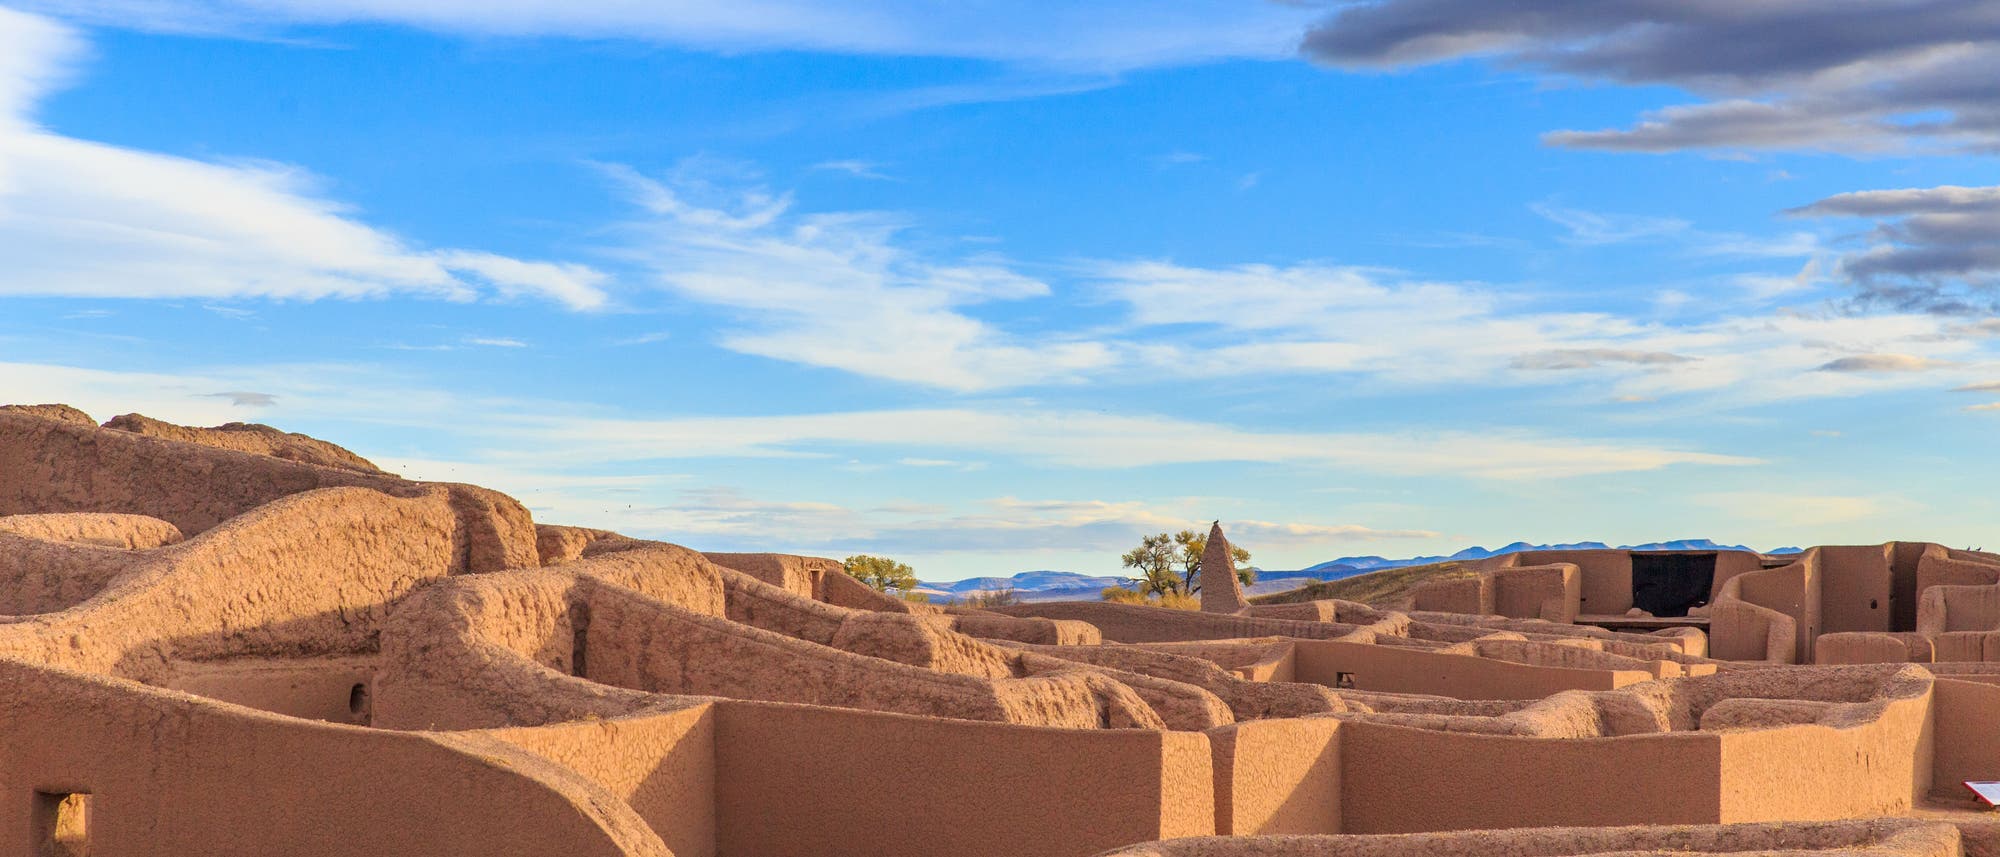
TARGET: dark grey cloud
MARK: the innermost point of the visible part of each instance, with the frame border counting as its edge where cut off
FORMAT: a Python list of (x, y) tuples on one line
[(1876, 363), (1834, 74), (1591, 358), (1932, 249), (245, 399)]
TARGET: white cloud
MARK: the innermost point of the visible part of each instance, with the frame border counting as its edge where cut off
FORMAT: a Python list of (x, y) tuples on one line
[(86, 219), (562, 435), (840, 291), (1091, 441), (495, 342), (1591, 227), (1377, 324), (717, 517)]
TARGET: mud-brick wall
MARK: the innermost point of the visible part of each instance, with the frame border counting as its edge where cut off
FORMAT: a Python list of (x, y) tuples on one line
[(1397, 779), (170, 775), (1810, 772), (1390, 669), (804, 781)]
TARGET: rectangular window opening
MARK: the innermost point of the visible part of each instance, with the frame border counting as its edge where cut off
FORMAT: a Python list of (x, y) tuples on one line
[(62, 824)]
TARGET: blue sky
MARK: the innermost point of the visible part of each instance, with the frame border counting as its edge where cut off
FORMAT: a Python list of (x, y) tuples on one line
[(992, 287)]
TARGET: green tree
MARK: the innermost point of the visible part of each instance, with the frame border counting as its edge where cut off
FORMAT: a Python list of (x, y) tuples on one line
[(1156, 559), (882, 573), (1192, 545)]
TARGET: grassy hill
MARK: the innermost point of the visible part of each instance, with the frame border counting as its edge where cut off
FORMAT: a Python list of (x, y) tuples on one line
[(1390, 587)]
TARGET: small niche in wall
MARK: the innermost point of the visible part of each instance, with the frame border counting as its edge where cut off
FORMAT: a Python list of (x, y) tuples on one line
[(1343, 679), (61, 824), (357, 701)]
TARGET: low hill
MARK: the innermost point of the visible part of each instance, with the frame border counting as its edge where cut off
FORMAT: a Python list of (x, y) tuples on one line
[(1390, 587)]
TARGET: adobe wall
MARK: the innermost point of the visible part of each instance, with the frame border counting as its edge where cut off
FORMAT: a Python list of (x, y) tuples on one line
[(129, 532), (1859, 647), (172, 775), (795, 780), (842, 590), (1947, 607), (54, 465), (39, 576), (662, 765), (1740, 631), (1877, 766), (1938, 567), (1469, 595), (1966, 720), (1549, 592), (334, 689), (1277, 776), (1400, 670), (1133, 623), (1904, 559), (1792, 590), (1857, 588), (1391, 782), (646, 645), (308, 574), (799, 575), (1605, 588)]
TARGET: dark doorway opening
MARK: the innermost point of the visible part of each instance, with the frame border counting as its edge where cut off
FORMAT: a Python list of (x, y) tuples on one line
[(1667, 584)]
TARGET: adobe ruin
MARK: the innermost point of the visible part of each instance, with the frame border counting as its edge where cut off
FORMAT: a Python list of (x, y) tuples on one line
[(241, 642)]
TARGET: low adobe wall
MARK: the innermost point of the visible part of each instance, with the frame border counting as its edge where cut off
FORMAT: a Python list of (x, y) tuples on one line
[(1876, 763), (1389, 787), (38, 576), (799, 575), (662, 765), (1133, 623), (1966, 719), (1861, 647), (170, 774), (1400, 670), (797, 780), (1941, 566), (130, 532), (1278, 776), (1756, 745)]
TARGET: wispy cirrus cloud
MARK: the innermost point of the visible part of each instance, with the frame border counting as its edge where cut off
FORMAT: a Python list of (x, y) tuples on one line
[(842, 291), (86, 219)]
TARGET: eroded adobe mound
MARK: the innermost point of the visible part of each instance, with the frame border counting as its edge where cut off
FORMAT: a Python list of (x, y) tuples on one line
[(248, 437)]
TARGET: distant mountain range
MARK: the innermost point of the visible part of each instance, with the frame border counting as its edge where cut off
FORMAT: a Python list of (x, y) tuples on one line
[(1070, 586)]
